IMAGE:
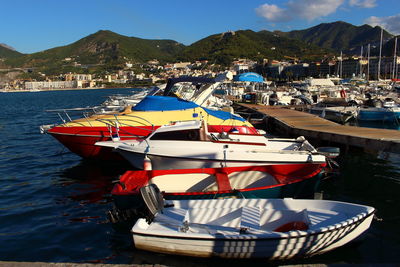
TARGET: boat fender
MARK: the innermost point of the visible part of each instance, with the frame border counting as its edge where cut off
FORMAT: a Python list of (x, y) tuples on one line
[(292, 226), (343, 93), (122, 184), (147, 164)]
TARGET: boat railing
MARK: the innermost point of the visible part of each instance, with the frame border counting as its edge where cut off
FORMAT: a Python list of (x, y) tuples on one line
[(69, 115), (115, 123)]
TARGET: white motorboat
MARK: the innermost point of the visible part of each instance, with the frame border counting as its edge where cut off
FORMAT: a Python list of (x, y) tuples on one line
[(339, 114), (248, 228), (119, 103), (184, 145)]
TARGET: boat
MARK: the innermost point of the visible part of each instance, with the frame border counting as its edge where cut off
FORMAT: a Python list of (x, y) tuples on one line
[(386, 111), (336, 114), (80, 135), (276, 229), (120, 102), (184, 145), (336, 110), (265, 181)]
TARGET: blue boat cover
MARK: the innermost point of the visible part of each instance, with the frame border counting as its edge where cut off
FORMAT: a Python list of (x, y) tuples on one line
[(249, 77), (223, 115), (166, 103), (163, 103)]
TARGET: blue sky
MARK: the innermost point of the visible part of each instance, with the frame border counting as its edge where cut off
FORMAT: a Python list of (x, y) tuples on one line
[(32, 26)]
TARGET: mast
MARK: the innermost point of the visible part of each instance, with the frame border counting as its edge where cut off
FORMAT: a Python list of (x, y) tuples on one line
[(341, 65), (394, 58), (361, 61), (369, 50), (380, 55)]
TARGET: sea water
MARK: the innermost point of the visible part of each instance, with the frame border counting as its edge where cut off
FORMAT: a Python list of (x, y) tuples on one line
[(53, 204)]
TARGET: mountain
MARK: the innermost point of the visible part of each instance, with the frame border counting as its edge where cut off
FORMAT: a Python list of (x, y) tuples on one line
[(106, 50), (222, 48), (8, 52), (388, 48), (339, 36), (109, 48), (102, 47)]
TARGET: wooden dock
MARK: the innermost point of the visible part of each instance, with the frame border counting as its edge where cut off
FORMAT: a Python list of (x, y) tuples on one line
[(291, 122)]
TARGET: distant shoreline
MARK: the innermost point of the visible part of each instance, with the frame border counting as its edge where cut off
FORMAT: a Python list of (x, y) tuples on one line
[(64, 89)]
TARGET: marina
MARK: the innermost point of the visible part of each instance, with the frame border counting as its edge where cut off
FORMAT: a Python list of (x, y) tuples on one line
[(292, 122), (276, 142), (67, 198)]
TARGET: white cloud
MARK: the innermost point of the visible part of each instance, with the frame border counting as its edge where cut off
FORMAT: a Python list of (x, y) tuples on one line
[(390, 23), (272, 13), (305, 9), (313, 9), (363, 3)]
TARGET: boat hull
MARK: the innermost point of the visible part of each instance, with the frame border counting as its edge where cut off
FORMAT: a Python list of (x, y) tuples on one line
[(81, 140), (379, 114), (300, 188), (205, 240), (294, 181), (162, 162), (253, 247)]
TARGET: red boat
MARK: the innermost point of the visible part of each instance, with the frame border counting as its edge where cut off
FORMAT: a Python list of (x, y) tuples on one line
[(80, 135), (266, 181)]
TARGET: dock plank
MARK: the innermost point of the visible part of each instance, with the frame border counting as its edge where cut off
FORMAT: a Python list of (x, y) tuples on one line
[(310, 125)]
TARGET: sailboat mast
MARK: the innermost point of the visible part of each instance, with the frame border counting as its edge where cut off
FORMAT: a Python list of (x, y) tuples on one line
[(380, 55), (361, 58), (341, 65), (369, 49), (394, 58)]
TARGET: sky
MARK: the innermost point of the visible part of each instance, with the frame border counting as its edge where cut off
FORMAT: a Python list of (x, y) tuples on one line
[(32, 26)]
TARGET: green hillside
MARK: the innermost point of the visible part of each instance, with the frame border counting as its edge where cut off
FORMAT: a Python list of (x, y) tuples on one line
[(103, 47), (339, 36), (6, 52), (223, 48)]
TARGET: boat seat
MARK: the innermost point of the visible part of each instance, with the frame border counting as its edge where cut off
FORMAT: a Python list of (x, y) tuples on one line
[(176, 215), (271, 219), (250, 218), (194, 182), (170, 218)]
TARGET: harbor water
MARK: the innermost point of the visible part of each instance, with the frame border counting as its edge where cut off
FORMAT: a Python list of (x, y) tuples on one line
[(53, 204)]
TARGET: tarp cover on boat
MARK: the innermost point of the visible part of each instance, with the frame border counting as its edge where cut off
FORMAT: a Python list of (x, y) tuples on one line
[(163, 103), (249, 77), (223, 115), (166, 103)]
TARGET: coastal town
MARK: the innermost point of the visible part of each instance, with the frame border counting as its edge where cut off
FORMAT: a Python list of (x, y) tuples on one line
[(201, 133), (350, 67)]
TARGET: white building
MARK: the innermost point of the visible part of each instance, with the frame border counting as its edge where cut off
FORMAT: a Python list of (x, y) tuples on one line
[(50, 85)]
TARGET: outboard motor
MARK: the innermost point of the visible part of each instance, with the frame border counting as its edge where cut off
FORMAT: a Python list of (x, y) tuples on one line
[(329, 152), (153, 199)]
